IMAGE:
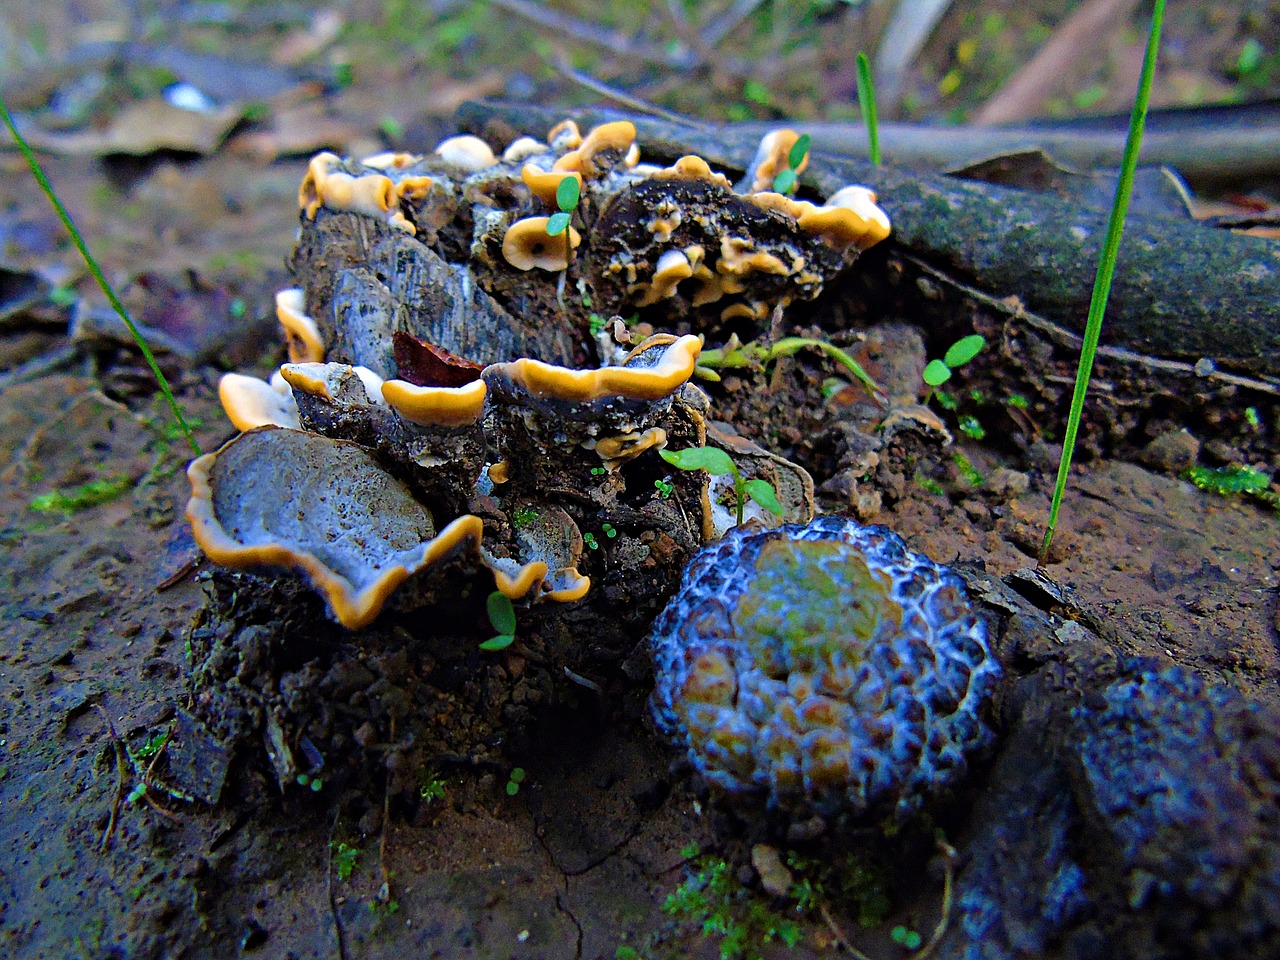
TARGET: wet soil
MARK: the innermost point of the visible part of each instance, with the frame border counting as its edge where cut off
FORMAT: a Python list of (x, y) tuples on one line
[(103, 642), (407, 837)]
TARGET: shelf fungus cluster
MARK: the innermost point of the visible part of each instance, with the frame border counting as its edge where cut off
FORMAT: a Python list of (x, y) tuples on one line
[(458, 248), (362, 483), (447, 394)]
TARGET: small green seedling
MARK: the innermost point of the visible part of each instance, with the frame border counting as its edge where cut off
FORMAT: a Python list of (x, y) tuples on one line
[(608, 530), (514, 781), (736, 355), (344, 859), (719, 464), (590, 540), (867, 102), (431, 787), (664, 486), (785, 181), (906, 938), (315, 784), (958, 354), (502, 617), (598, 471), (567, 195)]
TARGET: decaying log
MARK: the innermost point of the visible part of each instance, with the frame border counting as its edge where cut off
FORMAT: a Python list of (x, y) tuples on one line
[(1182, 291)]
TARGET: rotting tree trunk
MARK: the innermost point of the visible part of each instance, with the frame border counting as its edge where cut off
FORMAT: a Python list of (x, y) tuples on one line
[(1182, 291)]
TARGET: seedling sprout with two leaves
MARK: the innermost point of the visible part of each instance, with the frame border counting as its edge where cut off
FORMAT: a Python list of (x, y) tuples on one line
[(502, 617), (719, 464), (938, 372), (568, 193), (785, 181)]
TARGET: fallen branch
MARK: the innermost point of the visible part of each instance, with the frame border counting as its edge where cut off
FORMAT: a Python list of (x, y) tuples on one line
[(1183, 291)]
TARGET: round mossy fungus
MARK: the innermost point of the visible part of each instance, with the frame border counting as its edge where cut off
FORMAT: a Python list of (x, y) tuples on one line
[(821, 670)]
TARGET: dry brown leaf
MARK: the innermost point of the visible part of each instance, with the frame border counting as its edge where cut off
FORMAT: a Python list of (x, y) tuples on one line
[(141, 128), (301, 129)]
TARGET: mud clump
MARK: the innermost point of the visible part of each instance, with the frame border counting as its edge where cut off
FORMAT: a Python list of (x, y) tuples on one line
[(1140, 823)]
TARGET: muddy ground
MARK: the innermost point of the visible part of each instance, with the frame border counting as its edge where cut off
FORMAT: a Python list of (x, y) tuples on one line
[(115, 635)]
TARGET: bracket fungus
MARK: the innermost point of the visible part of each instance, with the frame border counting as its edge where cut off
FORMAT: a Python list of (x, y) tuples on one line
[(527, 245), (450, 250), (288, 498)]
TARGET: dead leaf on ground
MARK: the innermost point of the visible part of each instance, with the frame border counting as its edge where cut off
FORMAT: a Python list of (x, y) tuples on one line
[(142, 128), (303, 43), (300, 129)]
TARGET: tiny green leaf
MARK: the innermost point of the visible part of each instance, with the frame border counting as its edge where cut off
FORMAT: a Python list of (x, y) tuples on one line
[(762, 492), (567, 194), (785, 181), (557, 223), (517, 775), (499, 642), (715, 462), (936, 373), (502, 614), (964, 350), (799, 150)]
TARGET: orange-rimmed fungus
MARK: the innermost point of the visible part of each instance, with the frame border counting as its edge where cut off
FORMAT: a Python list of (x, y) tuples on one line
[(527, 245)]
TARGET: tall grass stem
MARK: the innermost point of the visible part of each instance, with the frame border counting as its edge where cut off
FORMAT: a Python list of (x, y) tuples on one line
[(867, 101), (1106, 269), (38, 172)]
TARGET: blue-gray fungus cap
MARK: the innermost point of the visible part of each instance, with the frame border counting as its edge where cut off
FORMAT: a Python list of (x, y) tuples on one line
[(822, 670)]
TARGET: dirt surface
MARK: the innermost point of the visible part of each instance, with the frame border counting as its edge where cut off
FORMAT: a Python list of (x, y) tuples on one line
[(144, 695)]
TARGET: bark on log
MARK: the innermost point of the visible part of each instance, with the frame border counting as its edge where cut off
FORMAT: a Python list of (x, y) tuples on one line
[(1182, 290)]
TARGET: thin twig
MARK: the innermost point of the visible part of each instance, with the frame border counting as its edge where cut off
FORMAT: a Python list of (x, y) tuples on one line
[(724, 24), (949, 867), (384, 893), (565, 25), (1014, 309), (841, 937), (339, 934), (620, 96), (122, 771), (40, 366)]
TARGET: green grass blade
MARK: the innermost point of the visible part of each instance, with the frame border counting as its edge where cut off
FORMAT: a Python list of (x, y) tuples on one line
[(38, 172), (867, 101), (1106, 268)]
